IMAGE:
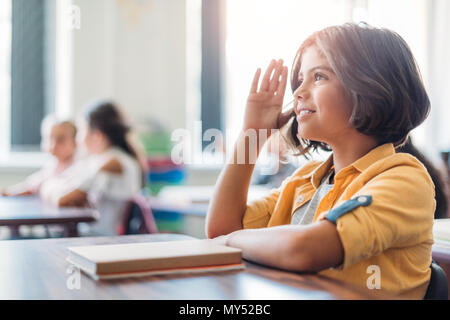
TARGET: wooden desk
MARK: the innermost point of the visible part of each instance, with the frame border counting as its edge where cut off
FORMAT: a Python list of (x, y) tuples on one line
[(194, 200), (183, 208), (17, 211), (37, 269)]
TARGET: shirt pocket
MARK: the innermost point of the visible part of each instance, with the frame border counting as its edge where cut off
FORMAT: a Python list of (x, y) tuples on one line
[(302, 196)]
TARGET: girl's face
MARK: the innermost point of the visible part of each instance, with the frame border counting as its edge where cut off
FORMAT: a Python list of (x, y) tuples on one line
[(93, 141), (323, 110), (61, 142)]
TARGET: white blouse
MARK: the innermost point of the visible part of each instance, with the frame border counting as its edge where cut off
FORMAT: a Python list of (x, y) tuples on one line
[(35, 180), (107, 192)]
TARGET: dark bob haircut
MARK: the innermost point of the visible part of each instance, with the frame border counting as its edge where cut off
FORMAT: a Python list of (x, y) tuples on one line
[(106, 117), (380, 76)]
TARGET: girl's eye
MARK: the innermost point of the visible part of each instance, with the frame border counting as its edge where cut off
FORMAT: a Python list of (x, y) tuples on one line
[(318, 77)]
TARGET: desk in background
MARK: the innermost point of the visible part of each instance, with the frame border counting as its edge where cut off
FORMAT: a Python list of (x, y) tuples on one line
[(31, 211), (37, 269), (179, 217), (182, 209)]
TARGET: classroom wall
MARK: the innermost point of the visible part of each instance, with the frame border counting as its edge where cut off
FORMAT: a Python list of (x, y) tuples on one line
[(10, 176), (134, 52)]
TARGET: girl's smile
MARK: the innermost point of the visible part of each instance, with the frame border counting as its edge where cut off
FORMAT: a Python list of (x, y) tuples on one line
[(304, 114)]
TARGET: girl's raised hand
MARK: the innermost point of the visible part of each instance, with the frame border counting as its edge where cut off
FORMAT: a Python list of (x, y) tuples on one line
[(264, 105)]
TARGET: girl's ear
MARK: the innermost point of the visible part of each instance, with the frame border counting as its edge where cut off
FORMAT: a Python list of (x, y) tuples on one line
[(97, 135), (101, 138)]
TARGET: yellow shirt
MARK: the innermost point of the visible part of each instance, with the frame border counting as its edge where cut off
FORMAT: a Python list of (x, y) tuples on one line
[(393, 233)]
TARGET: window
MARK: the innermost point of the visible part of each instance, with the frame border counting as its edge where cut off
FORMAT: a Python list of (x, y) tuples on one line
[(437, 130), (5, 75), (204, 54), (28, 78), (34, 59)]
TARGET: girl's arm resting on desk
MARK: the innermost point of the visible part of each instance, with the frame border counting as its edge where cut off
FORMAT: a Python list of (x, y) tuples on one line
[(77, 197), (28, 187), (7, 193), (296, 248)]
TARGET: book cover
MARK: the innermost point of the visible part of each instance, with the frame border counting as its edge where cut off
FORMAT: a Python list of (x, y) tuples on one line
[(138, 259)]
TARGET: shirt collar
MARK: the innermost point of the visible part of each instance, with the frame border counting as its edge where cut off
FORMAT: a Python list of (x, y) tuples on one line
[(318, 173), (373, 155), (361, 164)]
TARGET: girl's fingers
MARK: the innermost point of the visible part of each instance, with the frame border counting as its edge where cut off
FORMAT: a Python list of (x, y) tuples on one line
[(283, 82), (275, 81), (254, 87), (266, 80)]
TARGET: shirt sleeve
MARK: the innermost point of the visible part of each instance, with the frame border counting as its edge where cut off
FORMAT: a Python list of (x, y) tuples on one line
[(35, 180), (258, 212), (109, 184), (31, 184), (401, 214)]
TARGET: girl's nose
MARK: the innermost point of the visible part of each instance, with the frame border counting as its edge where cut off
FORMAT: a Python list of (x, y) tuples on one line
[(301, 95)]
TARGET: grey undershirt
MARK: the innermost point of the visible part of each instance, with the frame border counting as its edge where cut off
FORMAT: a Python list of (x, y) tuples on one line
[(305, 214)]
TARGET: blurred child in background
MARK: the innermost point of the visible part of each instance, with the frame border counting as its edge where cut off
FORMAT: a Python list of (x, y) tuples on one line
[(107, 177), (58, 139)]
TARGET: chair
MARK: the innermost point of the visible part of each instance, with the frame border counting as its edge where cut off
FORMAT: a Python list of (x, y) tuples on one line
[(437, 288), (137, 217)]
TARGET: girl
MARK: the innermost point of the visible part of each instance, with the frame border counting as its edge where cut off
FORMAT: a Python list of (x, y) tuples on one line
[(58, 139), (358, 92), (108, 177)]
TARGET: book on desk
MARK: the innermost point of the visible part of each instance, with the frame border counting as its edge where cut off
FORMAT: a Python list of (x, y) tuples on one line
[(441, 231), (115, 261)]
